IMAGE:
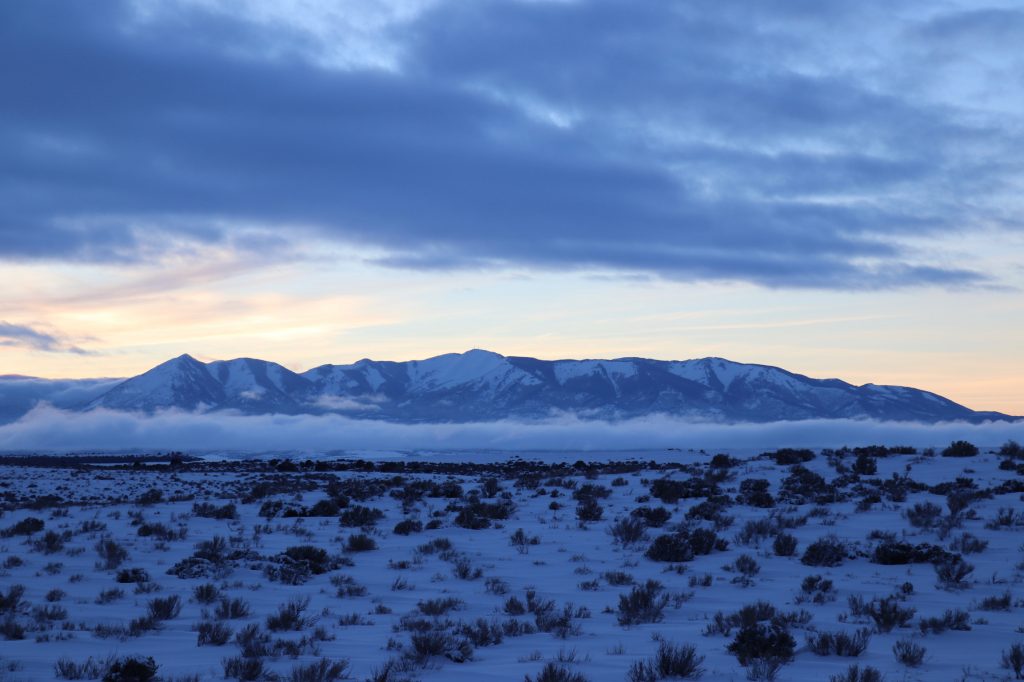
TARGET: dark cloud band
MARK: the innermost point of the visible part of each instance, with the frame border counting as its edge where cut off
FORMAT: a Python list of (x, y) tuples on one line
[(654, 138)]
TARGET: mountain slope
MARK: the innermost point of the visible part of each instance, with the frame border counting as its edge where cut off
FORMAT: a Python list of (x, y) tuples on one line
[(481, 385), (181, 382), (245, 384)]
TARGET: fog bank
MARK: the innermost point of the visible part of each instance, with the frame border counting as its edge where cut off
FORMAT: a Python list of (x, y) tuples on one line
[(48, 429)]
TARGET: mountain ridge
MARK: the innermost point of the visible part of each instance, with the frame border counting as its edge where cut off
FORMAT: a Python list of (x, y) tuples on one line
[(480, 385)]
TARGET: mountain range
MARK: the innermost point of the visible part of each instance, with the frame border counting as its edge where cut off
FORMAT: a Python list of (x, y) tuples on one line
[(479, 385)]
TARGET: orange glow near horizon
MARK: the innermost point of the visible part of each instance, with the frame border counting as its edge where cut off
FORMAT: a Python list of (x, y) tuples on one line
[(302, 316)]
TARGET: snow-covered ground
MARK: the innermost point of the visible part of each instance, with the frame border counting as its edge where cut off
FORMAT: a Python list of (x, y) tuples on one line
[(374, 606)]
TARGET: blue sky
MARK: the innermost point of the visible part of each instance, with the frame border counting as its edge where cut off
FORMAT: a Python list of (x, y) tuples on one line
[(832, 187)]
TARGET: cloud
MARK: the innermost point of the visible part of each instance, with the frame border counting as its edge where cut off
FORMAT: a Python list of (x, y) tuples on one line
[(18, 394), (689, 142), (27, 337), (49, 429)]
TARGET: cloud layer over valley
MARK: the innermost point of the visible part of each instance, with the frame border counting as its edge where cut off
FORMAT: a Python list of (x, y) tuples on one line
[(48, 429)]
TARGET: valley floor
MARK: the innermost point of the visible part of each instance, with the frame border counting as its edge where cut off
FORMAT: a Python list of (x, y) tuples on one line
[(491, 571)]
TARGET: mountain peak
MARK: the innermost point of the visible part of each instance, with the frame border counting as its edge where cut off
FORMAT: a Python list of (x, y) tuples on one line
[(479, 352), (481, 385)]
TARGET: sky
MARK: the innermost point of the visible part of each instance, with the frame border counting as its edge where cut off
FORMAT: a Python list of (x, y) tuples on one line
[(833, 188)]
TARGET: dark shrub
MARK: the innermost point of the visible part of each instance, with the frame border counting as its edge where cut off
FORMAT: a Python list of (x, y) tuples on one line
[(804, 486), (164, 608), (588, 510), (206, 593), (151, 496), (968, 544), (26, 526), (514, 607), (490, 487), (951, 620), (478, 515), (865, 465), (839, 643), (644, 604), (924, 514), (89, 669), (628, 531), (746, 565), (442, 605), (655, 517), (754, 492), (244, 668), (817, 588), (618, 578), (463, 569), (857, 674), (1012, 448), (684, 545), (710, 510), (953, 572), (670, 491), (1002, 602), (131, 669), (676, 662), (888, 614), (704, 541), (132, 575), (231, 609), (762, 641), (111, 553), (298, 563), (673, 548), (893, 553), (360, 542), (322, 670), (109, 596), (289, 616), (324, 508), (51, 542), (784, 544), (553, 672), (1005, 518), (1013, 659), (522, 542), (212, 633), (206, 510), (756, 530), (826, 551), (408, 527), (722, 461), (426, 645), (788, 456), (908, 652), (589, 491), (161, 532), (960, 448), (11, 629), (316, 557), (361, 517)]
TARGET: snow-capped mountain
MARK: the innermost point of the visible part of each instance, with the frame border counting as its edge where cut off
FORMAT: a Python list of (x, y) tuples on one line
[(481, 385), (244, 384)]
